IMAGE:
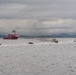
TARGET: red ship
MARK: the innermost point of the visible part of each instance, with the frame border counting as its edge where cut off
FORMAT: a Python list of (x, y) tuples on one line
[(13, 35)]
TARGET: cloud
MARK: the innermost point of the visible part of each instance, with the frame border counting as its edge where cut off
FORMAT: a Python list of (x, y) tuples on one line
[(9, 11), (38, 17), (37, 9), (35, 27)]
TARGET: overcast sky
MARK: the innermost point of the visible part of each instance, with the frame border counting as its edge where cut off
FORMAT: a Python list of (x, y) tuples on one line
[(38, 17)]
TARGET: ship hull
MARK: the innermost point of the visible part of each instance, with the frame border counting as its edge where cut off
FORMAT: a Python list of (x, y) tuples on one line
[(12, 36)]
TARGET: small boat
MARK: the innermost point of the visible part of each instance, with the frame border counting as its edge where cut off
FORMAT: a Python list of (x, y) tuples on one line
[(13, 35)]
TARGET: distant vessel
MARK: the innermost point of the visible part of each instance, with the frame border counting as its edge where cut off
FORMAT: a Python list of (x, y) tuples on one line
[(13, 35)]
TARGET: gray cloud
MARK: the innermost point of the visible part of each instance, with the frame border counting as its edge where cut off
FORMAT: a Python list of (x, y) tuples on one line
[(44, 16), (34, 27), (38, 9)]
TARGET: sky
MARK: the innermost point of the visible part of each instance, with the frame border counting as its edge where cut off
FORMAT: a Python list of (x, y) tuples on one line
[(38, 17)]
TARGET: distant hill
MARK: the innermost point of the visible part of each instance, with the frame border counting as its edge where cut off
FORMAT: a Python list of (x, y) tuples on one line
[(62, 35)]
